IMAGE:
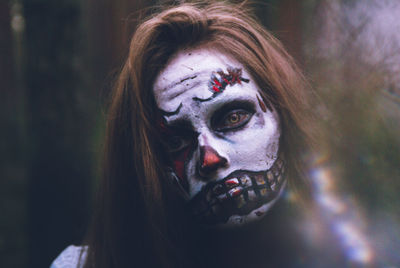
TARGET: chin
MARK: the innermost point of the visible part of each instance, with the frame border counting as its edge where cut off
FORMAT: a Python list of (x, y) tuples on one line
[(242, 197)]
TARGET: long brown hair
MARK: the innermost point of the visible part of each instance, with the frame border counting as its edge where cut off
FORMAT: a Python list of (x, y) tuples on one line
[(129, 225)]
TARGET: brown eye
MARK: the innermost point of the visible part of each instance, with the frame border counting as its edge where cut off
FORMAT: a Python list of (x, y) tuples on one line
[(232, 120)]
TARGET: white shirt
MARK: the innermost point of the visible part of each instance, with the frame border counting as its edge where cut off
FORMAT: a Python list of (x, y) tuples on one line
[(71, 257)]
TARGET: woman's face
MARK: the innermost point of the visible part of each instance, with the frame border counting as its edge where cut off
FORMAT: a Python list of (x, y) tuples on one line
[(221, 136)]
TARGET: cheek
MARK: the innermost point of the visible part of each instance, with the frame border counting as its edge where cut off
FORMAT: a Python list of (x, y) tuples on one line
[(256, 147), (179, 162)]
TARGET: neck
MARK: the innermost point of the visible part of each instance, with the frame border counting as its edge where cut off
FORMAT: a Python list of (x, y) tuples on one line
[(262, 243)]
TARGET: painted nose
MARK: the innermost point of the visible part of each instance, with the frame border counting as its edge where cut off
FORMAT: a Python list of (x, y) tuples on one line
[(210, 161)]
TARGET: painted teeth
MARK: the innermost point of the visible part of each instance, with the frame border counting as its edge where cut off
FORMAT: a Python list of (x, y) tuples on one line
[(243, 190), (263, 191), (235, 186), (270, 177), (252, 195), (232, 182), (235, 191), (280, 178), (246, 181), (259, 179)]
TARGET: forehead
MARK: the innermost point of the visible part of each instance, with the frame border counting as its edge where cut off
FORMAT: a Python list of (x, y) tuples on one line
[(188, 75)]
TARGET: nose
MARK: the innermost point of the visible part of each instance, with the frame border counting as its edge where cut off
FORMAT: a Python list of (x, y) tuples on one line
[(210, 161)]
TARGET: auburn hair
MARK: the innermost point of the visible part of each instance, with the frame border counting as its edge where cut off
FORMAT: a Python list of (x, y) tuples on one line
[(134, 206)]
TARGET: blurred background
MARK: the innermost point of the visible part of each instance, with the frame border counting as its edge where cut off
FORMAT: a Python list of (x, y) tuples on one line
[(58, 60)]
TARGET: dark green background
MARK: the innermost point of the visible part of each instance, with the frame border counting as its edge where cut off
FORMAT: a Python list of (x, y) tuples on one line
[(58, 60)]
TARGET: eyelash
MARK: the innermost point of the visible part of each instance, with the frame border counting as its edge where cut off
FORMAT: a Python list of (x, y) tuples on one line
[(241, 116)]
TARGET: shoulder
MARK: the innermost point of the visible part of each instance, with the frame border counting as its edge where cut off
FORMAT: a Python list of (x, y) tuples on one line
[(71, 257)]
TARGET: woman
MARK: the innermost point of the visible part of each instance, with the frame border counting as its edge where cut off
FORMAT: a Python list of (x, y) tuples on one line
[(209, 120)]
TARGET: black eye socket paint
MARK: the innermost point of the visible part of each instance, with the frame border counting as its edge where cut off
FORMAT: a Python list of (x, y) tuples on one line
[(242, 106), (220, 80), (168, 114)]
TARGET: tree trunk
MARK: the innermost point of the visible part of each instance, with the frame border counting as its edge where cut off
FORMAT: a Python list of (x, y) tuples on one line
[(13, 241), (59, 122)]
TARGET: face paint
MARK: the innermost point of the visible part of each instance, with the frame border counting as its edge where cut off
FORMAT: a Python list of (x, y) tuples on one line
[(218, 84), (222, 139)]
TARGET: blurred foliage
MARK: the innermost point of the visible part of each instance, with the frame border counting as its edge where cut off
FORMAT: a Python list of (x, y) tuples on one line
[(364, 147), (359, 118), (350, 55)]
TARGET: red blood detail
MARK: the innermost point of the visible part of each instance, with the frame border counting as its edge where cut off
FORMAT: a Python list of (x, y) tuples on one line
[(233, 77), (179, 168), (235, 192), (237, 80), (217, 83), (232, 182), (262, 104), (179, 164)]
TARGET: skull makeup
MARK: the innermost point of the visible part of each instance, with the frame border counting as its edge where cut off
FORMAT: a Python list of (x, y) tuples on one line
[(222, 137)]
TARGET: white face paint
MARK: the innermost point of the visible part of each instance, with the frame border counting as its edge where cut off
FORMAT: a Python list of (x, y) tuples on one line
[(222, 137)]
